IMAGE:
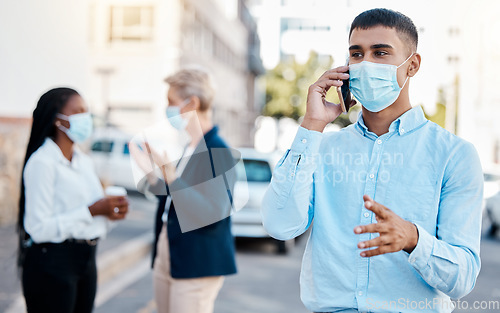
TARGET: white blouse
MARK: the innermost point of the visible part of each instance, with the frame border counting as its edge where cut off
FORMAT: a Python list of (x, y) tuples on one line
[(58, 193)]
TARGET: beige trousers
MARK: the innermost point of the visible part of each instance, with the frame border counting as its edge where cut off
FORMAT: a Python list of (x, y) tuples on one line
[(191, 295)]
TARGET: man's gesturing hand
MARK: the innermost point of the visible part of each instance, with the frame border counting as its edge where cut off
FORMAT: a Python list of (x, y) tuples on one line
[(396, 234), (320, 112)]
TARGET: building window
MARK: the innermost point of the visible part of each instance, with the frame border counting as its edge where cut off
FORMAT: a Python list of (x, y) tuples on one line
[(303, 24), (131, 23), (200, 38)]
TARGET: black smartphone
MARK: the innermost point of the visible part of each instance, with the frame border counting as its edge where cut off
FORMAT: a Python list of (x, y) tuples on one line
[(345, 95)]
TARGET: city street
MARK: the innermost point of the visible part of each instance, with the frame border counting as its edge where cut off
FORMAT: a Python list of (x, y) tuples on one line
[(284, 112), (269, 283), (265, 283)]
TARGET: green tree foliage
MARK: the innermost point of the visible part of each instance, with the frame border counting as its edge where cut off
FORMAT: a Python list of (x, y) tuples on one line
[(288, 82), (439, 116), (287, 85)]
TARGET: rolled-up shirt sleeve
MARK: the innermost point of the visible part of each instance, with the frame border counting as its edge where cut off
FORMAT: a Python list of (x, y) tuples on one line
[(449, 261), (287, 207)]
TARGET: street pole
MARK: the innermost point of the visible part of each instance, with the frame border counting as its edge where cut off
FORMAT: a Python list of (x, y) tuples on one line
[(105, 72)]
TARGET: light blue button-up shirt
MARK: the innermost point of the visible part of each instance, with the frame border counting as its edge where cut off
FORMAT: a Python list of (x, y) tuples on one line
[(420, 171)]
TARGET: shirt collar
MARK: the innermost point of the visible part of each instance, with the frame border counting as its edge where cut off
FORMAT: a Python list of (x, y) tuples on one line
[(202, 144), (211, 133), (405, 123), (56, 152)]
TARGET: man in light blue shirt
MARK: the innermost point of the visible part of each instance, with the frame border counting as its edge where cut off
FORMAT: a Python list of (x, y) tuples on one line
[(395, 198)]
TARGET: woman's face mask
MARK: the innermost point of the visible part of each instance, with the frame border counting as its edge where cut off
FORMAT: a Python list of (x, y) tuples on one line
[(375, 85), (80, 126), (174, 115)]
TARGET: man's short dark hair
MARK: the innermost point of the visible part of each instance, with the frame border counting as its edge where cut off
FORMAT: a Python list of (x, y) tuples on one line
[(392, 19)]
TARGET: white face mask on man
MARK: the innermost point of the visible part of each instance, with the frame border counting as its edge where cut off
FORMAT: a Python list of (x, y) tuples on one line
[(375, 85)]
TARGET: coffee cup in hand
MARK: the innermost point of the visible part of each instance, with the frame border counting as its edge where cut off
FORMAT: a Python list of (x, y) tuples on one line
[(115, 191)]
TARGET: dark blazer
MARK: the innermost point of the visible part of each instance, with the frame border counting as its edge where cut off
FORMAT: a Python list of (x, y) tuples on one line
[(209, 250)]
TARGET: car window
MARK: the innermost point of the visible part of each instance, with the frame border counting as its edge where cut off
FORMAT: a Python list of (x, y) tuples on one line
[(105, 146), (256, 171), (125, 149), (491, 177)]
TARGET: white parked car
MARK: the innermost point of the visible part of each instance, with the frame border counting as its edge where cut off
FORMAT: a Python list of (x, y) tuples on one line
[(256, 168), (111, 157), (492, 200)]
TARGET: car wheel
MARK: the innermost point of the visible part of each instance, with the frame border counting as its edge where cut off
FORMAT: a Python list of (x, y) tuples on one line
[(493, 230), (284, 246)]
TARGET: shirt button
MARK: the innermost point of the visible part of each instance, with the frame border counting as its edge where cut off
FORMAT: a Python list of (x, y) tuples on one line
[(360, 293), (366, 214), (292, 174), (304, 140), (402, 130), (379, 141), (412, 260), (371, 175)]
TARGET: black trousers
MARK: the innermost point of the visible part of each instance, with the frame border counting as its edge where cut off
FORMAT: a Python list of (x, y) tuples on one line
[(60, 278)]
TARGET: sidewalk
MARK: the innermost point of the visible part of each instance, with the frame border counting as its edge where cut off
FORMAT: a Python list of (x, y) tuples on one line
[(10, 286)]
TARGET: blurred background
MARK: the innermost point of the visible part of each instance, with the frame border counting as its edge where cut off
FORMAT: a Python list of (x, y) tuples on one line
[(263, 54)]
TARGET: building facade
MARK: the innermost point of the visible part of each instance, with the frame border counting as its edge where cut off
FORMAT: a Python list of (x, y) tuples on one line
[(135, 44), (116, 53)]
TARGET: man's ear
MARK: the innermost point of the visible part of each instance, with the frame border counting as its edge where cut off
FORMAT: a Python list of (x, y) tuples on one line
[(414, 64)]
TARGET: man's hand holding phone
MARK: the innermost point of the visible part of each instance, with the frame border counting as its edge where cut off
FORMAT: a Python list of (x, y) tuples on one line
[(319, 111)]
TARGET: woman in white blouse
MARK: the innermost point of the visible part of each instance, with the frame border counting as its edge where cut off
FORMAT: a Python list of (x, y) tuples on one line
[(63, 210)]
